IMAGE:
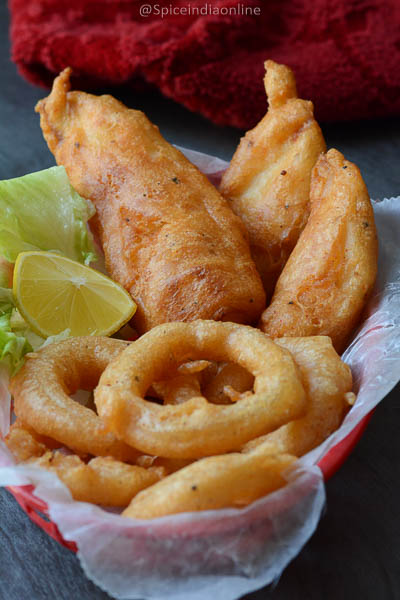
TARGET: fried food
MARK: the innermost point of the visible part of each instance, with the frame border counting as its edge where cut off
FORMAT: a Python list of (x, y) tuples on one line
[(42, 390), (178, 389), (198, 428), (170, 465), (229, 382), (220, 383), (24, 443), (331, 272), (183, 384), (230, 480), (212, 413), (328, 383), (268, 179), (168, 236), (102, 480)]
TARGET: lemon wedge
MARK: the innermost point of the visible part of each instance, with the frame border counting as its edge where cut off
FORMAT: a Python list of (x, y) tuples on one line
[(54, 293)]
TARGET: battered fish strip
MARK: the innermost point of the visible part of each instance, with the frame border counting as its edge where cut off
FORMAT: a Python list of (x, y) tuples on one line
[(168, 236), (331, 272), (268, 179)]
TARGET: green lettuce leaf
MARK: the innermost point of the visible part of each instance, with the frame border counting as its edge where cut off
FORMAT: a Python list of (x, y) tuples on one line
[(6, 301), (13, 345), (41, 211)]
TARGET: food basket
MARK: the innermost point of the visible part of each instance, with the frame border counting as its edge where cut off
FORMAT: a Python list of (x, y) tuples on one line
[(37, 509), (237, 550)]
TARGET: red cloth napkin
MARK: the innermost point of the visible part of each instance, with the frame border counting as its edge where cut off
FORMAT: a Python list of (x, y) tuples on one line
[(345, 53)]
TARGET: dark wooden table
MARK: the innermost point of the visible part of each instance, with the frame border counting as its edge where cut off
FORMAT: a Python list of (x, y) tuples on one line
[(355, 552)]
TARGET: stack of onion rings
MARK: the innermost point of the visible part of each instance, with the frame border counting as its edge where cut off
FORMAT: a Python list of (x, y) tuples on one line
[(198, 428), (237, 409), (48, 418)]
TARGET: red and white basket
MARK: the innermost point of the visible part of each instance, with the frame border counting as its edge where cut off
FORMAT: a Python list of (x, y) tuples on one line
[(37, 509), (244, 549)]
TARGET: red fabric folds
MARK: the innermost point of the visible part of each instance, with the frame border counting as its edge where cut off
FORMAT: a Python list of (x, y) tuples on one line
[(345, 54)]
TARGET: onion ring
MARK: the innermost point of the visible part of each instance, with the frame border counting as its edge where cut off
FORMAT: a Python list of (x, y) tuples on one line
[(103, 480), (211, 483), (198, 428), (328, 382), (41, 399)]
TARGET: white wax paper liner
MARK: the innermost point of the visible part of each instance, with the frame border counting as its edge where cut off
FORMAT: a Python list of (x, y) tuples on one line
[(228, 552)]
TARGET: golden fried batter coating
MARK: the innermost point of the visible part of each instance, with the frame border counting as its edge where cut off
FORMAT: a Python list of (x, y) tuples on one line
[(328, 383), (42, 388), (101, 480), (197, 428), (228, 384), (330, 273), (168, 236), (212, 483), (268, 180), (220, 383)]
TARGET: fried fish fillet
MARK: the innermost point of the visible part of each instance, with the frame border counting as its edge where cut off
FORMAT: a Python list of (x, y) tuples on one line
[(268, 179), (330, 273), (168, 236)]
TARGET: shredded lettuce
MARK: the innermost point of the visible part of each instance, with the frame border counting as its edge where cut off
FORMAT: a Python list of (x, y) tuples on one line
[(20, 327), (6, 301), (13, 345), (42, 211)]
